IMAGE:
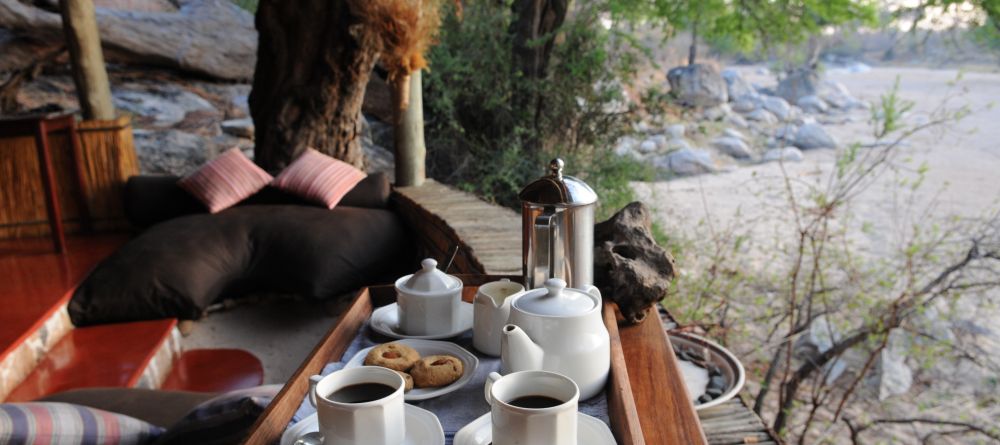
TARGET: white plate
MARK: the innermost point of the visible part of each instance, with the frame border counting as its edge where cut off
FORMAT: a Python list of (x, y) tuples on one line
[(425, 348), (589, 431), (422, 428), (385, 321)]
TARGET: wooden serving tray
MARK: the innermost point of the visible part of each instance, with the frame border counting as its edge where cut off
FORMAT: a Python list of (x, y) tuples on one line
[(647, 399)]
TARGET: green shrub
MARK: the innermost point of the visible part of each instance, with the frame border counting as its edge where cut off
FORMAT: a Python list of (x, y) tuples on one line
[(479, 140)]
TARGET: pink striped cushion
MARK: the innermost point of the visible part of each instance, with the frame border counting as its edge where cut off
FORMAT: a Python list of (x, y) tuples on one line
[(318, 177), (64, 423), (225, 180)]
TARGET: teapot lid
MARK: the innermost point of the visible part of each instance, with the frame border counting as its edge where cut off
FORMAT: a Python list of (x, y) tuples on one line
[(558, 189), (555, 300), (430, 279)]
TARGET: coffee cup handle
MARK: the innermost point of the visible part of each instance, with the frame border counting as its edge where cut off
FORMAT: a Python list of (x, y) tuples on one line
[(490, 380), (313, 381)]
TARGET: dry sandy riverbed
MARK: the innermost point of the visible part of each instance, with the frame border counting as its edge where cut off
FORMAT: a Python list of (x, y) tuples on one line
[(964, 161)]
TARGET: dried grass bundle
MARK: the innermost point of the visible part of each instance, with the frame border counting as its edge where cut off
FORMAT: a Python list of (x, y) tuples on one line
[(405, 30)]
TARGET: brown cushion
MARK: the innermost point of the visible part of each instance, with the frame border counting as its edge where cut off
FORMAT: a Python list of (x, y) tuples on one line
[(161, 408)]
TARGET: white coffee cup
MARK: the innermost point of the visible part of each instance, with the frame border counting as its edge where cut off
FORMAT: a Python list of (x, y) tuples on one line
[(375, 422), (515, 425), (492, 307)]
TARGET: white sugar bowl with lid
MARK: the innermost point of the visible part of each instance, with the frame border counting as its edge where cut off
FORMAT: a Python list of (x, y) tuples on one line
[(561, 330), (429, 301)]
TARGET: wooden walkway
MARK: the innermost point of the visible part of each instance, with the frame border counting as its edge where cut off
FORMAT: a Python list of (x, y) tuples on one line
[(489, 240), (488, 236), (734, 423)]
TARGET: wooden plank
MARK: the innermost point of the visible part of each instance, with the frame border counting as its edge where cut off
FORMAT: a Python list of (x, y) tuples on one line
[(622, 410), (666, 413), (272, 423)]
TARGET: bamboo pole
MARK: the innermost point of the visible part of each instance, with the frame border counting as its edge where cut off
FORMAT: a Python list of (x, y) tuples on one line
[(89, 72), (410, 150)]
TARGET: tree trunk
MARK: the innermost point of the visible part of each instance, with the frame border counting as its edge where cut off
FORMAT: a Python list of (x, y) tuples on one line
[(87, 60), (534, 20), (533, 31), (313, 63), (693, 49), (411, 153)]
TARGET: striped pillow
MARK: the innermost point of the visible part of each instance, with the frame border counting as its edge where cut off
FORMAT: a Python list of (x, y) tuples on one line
[(225, 180), (318, 177), (64, 423)]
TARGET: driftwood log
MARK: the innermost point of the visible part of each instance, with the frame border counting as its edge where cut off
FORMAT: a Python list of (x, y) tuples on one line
[(629, 267), (208, 37)]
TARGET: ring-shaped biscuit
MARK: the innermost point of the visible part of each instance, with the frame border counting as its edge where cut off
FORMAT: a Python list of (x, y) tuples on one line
[(395, 356)]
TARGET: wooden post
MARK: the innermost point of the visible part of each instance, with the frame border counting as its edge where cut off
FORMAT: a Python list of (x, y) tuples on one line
[(409, 135), (87, 60)]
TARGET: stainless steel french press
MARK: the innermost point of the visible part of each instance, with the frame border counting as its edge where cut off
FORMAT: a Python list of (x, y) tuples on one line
[(557, 229)]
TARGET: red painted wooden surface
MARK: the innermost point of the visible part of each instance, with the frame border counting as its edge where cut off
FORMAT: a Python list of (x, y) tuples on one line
[(35, 282), (105, 355), (214, 370)]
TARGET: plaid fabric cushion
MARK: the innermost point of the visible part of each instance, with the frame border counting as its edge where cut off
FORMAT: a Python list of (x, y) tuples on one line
[(64, 423), (224, 419), (319, 178), (225, 180)]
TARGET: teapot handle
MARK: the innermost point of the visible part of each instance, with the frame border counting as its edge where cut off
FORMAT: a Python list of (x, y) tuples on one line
[(593, 290)]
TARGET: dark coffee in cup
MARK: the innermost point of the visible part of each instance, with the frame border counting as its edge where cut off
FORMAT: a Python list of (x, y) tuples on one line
[(361, 393), (535, 402)]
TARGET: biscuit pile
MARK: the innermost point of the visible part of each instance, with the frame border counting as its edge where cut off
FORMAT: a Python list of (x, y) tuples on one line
[(426, 372)]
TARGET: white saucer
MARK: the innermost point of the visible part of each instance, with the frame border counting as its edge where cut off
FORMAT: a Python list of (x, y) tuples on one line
[(422, 428), (385, 321), (589, 431), (425, 348)]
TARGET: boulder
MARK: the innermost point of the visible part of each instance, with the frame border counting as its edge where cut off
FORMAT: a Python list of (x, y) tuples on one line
[(761, 115), (812, 104), (629, 267), (798, 84), (689, 161), (736, 86), (675, 131), (677, 144), (172, 152), (786, 154), (697, 85), (746, 104), (647, 146), (716, 113), (786, 132), (892, 377), (242, 128), (777, 106), (734, 133), (732, 146), (735, 120), (811, 136), (162, 107), (625, 146)]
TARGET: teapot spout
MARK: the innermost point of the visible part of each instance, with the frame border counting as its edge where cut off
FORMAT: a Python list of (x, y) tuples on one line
[(518, 352)]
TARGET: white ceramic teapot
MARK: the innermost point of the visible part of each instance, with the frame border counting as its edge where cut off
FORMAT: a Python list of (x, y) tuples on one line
[(561, 330)]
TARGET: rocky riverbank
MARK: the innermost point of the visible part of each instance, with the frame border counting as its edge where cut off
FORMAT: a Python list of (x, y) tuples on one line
[(727, 121)]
